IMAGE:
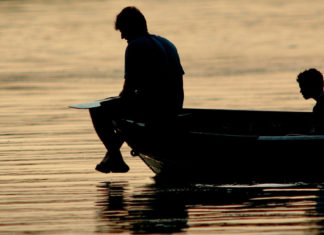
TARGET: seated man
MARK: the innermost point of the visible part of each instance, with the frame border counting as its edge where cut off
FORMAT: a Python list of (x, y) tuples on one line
[(311, 86), (153, 85)]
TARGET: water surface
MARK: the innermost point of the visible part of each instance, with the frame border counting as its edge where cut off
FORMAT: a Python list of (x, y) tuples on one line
[(236, 54)]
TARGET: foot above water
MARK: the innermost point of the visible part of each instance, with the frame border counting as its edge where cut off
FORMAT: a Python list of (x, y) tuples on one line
[(112, 163)]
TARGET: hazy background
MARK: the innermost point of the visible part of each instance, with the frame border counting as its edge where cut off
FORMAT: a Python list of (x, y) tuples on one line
[(237, 54)]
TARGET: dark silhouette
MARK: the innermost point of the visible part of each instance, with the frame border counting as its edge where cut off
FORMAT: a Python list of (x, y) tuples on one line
[(153, 87), (311, 86)]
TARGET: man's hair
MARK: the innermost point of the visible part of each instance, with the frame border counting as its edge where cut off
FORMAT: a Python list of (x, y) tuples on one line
[(311, 78), (132, 20)]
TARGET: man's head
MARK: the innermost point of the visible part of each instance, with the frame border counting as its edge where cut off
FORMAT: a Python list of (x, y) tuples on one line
[(131, 23), (310, 83)]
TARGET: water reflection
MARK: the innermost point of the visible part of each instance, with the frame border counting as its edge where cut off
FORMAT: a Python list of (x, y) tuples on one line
[(151, 209), (222, 209)]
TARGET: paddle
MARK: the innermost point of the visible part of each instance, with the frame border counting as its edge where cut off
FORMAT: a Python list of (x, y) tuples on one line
[(93, 104)]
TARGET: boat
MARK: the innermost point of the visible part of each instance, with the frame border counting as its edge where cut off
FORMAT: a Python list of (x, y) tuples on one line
[(234, 146)]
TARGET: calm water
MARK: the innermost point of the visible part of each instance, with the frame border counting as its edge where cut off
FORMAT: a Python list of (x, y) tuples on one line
[(240, 54)]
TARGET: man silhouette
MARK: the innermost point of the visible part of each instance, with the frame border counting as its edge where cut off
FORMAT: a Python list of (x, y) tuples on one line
[(153, 86), (311, 86)]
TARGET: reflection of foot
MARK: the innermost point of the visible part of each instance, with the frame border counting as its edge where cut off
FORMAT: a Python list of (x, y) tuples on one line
[(112, 162)]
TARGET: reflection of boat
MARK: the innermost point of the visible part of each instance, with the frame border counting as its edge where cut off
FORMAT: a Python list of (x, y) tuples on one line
[(163, 208), (160, 208), (229, 145)]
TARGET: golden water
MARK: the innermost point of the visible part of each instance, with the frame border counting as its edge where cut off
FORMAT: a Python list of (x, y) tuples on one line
[(237, 54)]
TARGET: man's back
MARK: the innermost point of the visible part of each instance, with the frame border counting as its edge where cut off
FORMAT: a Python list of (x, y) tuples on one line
[(154, 71)]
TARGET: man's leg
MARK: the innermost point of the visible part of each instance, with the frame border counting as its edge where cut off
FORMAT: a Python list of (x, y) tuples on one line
[(113, 160)]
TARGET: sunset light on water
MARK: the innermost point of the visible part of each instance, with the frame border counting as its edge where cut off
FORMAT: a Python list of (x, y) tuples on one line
[(236, 55)]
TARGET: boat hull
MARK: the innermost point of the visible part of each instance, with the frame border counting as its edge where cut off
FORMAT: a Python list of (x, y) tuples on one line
[(221, 154), (262, 161)]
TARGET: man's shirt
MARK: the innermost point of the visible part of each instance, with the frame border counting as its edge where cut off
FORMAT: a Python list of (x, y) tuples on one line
[(153, 72)]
